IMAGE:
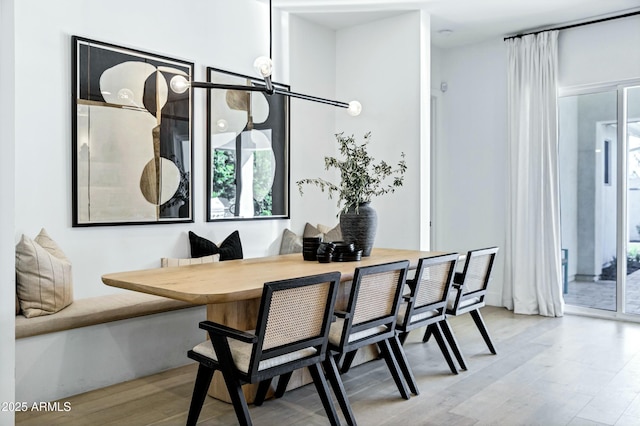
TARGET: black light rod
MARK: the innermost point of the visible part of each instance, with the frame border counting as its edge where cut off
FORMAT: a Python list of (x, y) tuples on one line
[(265, 89), (207, 85), (311, 98)]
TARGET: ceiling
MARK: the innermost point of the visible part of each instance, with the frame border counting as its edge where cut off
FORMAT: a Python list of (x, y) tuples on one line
[(460, 22)]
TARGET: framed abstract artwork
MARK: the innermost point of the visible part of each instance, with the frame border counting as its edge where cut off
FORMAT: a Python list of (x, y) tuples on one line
[(132, 137), (247, 151)]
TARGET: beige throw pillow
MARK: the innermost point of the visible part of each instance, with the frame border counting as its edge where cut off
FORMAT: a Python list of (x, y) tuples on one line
[(330, 234), (43, 276), (291, 243), (327, 233), (168, 261)]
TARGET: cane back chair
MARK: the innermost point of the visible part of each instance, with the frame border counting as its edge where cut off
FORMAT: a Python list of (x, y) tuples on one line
[(427, 303), (292, 332), (370, 318), (468, 293)]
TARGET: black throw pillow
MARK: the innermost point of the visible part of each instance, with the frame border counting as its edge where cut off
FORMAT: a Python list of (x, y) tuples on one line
[(230, 248)]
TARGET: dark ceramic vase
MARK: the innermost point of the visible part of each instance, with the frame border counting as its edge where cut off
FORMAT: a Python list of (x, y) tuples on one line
[(360, 227)]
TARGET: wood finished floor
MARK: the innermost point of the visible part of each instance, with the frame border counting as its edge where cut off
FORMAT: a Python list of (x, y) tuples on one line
[(548, 371)]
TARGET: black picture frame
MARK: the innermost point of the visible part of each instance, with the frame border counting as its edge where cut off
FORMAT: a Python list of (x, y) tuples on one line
[(132, 137), (256, 125)]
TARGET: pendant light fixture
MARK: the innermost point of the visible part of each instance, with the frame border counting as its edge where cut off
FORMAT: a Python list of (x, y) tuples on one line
[(264, 68)]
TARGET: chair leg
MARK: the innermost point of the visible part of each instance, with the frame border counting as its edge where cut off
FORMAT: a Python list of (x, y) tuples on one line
[(477, 318), (331, 370), (348, 360), (283, 381), (403, 337), (453, 343), (261, 393), (392, 364), (437, 334), (237, 399), (325, 395), (427, 335), (203, 379), (404, 364)]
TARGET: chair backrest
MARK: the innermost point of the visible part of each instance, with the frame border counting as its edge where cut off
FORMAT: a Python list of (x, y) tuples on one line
[(477, 271), (430, 289), (472, 283), (375, 296), (295, 314)]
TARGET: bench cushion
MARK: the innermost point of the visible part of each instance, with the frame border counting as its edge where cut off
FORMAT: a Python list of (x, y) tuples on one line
[(97, 310)]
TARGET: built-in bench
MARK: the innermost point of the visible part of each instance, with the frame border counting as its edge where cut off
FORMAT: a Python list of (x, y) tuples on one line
[(99, 341), (97, 310)]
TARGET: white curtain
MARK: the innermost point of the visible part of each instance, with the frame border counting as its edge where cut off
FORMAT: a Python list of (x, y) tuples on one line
[(533, 276)]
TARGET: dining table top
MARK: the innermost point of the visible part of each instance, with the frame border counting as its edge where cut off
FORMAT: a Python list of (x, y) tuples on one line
[(243, 279)]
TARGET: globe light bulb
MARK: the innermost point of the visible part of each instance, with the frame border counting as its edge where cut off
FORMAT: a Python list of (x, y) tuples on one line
[(355, 108), (263, 65), (222, 125), (179, 84)]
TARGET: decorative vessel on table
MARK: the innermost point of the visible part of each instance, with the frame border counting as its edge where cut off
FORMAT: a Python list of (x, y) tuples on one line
[(310, 247), (361, 179)]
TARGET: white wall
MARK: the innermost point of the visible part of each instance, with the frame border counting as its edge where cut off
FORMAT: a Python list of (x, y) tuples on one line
[(7, 167), (437, 138), (381, 65), (43, 144), (599, 53), (436, 68), (471, 158), (312, 71)]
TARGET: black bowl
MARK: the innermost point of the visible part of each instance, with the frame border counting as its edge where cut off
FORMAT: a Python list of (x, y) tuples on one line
[(344, 247), (347, 257), (325, 248), (309, 256), (316, 240)]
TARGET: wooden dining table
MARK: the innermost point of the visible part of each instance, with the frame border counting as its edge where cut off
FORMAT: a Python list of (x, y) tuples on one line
[(232, 289)]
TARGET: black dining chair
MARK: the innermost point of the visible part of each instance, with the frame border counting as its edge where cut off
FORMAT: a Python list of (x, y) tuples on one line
[(426, 305), (292, 332), (467, 296), (370, 318)]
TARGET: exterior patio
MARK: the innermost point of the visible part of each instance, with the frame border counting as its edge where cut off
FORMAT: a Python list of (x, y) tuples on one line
[(602, 294)]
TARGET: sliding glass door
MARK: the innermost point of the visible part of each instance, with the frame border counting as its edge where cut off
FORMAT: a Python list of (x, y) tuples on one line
[(631, 298), (599, 148)]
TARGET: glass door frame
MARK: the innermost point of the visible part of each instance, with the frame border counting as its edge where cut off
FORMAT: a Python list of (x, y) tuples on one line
[(621, 196)]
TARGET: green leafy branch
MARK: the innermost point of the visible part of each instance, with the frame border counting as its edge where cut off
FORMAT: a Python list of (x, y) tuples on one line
[(361, 179)]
